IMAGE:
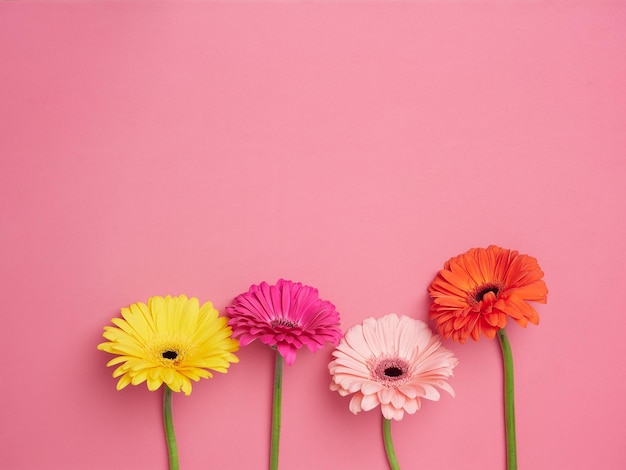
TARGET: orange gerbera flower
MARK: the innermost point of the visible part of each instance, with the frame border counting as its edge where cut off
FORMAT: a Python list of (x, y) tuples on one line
[(475, 292)]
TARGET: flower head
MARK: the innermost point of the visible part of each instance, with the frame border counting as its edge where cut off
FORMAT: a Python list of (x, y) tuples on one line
[(475, 292), (288, 315), (392, 362), (171, 340)]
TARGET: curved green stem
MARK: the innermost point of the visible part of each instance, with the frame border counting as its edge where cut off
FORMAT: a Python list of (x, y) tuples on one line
[(168, 423), (509, 401), (391, 454), (276, 411)]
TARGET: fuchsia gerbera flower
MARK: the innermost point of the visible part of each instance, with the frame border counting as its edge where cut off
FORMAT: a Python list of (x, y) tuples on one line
[(392, 362), (288, 315)]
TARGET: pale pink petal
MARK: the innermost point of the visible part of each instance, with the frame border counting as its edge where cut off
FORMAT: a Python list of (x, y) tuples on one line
[(369, 402), (386, 394), (445, 386), (389, 412), (407, 333), (355, 403), (431, 393), (355, 341), (398, 399), (369, 387), (371, 338), (411, 406)]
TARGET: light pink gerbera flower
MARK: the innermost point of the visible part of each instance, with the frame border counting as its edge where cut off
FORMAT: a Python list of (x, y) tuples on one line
[(288, 315), (392, 362)]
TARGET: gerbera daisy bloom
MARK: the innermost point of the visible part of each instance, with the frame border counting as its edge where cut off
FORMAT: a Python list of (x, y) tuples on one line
[(172, 340), (287, 315), (475, 292), (393, 362)]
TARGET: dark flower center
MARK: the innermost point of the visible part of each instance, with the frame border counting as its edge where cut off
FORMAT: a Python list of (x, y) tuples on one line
[(390, 371), (484, 291), (284, 322), (169, 355), (393, 372)]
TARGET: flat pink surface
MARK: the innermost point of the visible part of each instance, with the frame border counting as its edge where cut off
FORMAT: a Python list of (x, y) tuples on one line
[(198, 147)]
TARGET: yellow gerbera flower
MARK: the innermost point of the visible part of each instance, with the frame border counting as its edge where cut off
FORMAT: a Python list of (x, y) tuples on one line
[(171, 340)]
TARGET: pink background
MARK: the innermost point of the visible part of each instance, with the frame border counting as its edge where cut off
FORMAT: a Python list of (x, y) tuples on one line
[(189, 147)]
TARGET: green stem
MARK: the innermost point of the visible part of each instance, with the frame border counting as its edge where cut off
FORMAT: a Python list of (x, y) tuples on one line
[(168, 423), (509, 401), (391, 454), (276, 411)]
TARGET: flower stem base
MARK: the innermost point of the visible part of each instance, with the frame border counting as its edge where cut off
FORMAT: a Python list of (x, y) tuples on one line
[(509, 401), (168, 423), (391, 453), (276, 411)]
